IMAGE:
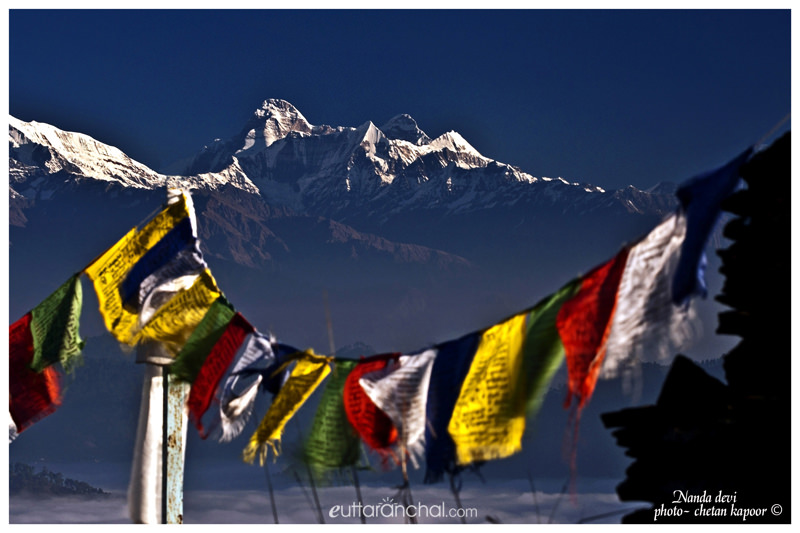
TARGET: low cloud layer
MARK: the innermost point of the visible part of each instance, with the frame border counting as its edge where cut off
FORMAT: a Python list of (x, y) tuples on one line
[(511, 502)]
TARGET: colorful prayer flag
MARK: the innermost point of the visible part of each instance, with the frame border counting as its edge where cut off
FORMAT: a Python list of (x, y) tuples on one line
[(373, 425), (255, 367), (55, 326), (193, 354), (307, 374), (489, 419), (701, 200), (176, 319), (647, 325), (450, 366), (543, 351), (333, 443), (206, 356), (400, 390), (205, 387), (46, 335), (32, 395), (584, 321), (175, 255), (110, 270)]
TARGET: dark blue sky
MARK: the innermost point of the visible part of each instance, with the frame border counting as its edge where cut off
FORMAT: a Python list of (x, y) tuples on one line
[(606, 97)]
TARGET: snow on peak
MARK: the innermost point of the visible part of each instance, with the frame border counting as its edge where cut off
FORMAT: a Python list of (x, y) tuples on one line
[(277, 107), (273, 121), (77, 153), (404, 127), (453, 140), (371, 133), (46, 151)]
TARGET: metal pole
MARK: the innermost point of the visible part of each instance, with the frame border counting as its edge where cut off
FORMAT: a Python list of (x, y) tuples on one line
[(173, 444), (144, 491), (173, 448), (164, 438)]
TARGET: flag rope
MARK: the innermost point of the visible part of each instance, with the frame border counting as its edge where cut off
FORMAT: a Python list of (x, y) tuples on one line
[(775, 128)]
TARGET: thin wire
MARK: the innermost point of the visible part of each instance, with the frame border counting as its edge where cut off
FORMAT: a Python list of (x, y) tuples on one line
[(558, 501), (303, 488), (271, 493), (535, 500), (775, 128)]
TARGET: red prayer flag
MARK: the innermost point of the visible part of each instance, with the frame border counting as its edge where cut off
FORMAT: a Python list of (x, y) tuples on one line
[(372, 424), (32, 395), (584, 321), (204, 388)]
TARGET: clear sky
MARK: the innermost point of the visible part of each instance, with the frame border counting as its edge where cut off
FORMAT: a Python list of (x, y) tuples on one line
[(607, 97)]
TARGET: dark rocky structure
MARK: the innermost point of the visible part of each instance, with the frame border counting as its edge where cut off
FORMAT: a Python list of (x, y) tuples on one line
[(22, 480), (713, 452)]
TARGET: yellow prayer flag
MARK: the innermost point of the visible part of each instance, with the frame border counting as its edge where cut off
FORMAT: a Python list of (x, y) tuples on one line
[(489, 417), (108, 271), (307, 374), (175, 320)]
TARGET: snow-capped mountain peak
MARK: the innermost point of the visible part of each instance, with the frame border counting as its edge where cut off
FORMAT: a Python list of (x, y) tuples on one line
[(39, 144), (273, 121), (404, 128), (338, 172), (44, 159), (342, 171), (452, 140), (369, 132)]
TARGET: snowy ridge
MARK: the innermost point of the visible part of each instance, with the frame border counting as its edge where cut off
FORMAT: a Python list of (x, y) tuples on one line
[(378, 172), (43, 159), (76, 153), (339, 172), (279, 119)]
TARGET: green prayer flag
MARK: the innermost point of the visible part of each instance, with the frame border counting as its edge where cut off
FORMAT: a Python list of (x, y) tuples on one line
[(542, 350), (199, 344), (333, 443), (55, 327)]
